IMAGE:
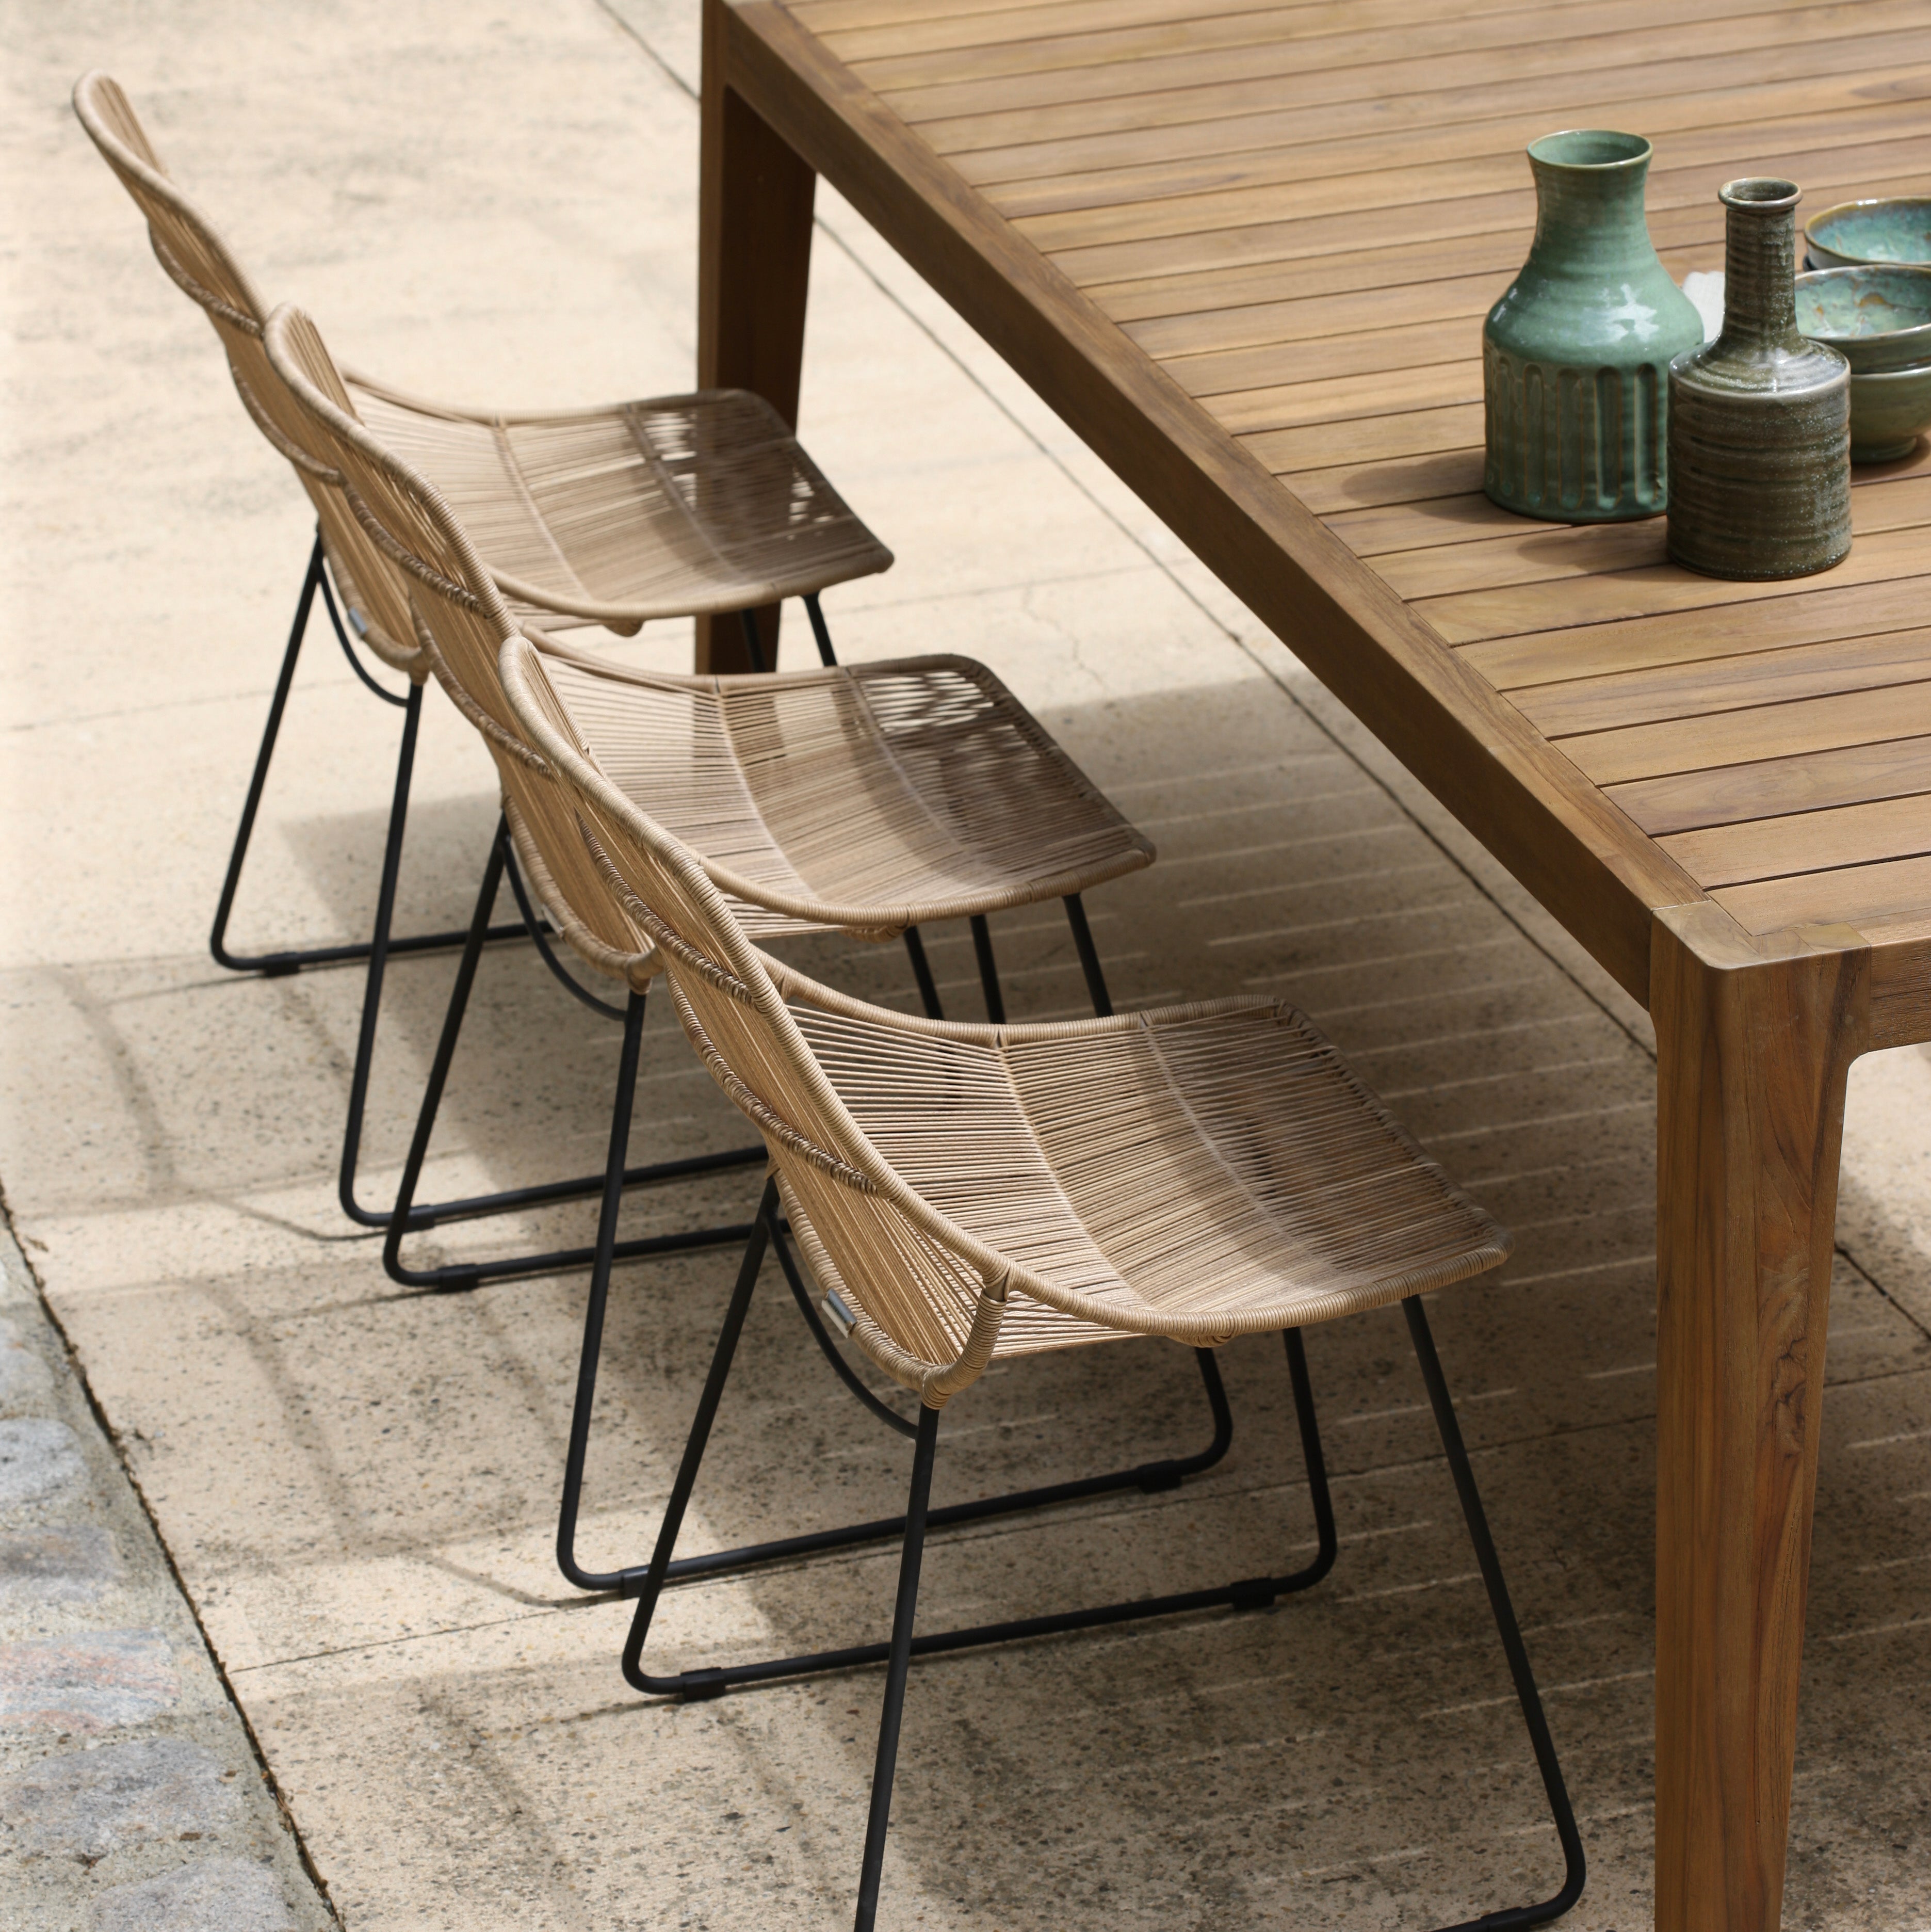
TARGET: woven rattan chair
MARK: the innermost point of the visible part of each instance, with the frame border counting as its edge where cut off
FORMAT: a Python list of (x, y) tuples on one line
[(862, 799), (201, 264), (965, 1194), (681, 506)]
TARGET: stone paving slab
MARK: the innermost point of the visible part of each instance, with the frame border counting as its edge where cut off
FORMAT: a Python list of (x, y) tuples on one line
[(357, 1487), (131, 1796)]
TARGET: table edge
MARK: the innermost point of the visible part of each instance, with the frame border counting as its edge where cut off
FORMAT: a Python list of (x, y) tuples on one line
[(1590, 865)]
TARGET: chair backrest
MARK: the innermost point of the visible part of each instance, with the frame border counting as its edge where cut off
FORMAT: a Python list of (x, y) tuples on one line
[(458, 616), (203, 265), (933, 1293), (926, 1284)]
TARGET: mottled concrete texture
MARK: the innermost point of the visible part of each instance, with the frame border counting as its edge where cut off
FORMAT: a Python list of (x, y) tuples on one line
[(130, 1795), (210, 1895), (359, 1487), (39, 1457), (93, 1803)]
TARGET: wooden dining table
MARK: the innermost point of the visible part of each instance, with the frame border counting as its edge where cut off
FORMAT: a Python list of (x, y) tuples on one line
[(1244, 248)]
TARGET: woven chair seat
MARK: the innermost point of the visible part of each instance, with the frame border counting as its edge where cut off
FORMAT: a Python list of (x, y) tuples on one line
[(679, 505), (863, 797), (1194, 1171), (674, 506), (964, 1193)]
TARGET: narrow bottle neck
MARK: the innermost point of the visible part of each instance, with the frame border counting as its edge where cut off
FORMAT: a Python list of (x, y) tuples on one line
[(1759, 268), (1579, 209)]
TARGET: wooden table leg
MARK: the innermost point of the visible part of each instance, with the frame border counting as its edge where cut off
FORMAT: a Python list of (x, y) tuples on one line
[(1753, 1051), (753, 262)]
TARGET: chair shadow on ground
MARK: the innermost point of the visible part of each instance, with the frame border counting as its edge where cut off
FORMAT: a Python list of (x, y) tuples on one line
[(1349, 1758)]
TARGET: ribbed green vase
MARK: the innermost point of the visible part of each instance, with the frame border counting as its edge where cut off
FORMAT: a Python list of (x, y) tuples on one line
[(1575, 356)]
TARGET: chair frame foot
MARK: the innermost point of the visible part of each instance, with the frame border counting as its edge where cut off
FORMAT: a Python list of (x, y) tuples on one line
[(296, 959), (1166, 1473), (1247, 1594), (408, 1216)]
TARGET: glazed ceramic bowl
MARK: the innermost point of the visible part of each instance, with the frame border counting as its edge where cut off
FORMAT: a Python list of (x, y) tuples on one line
[(1878, 318), (1890, 409), (1855, 233)]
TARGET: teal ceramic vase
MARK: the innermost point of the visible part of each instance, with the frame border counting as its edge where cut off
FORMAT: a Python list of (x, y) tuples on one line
[(1576, 357)]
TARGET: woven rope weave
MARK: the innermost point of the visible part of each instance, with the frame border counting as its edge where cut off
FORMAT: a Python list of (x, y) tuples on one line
[(673, 506), (1197, 1172), (200, 263), (853, 798)]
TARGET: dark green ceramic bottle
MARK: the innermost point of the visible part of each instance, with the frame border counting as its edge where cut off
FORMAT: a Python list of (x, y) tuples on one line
[(1576, 357), (1760, 419)]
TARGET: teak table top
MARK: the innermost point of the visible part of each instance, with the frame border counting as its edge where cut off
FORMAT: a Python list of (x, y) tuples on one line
[(1271, 232), (1244, 247)]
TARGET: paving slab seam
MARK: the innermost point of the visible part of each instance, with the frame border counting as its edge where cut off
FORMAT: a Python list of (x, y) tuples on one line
[(118, 1745), (1864, 1274), (985, 1534)]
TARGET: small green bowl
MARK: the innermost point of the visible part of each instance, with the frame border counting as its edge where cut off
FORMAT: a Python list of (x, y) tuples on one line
[(1856, 234), (1875, 318), (1890, 409)]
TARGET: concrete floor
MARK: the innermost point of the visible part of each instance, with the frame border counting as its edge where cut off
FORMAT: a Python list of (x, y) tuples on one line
[(357, 1489), (131, 1797)]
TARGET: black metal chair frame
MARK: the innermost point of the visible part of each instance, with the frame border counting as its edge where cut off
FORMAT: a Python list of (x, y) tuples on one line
[(415, 1218), (297, 958), (408, 1216), (1166, 1474), (1249, 1594), (617, 1177)]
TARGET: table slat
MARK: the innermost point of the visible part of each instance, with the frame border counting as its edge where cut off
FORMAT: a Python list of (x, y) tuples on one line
[(1350, 64), (1696, 689), (1644, 592), (1513, 551), (1852, 896), (1811, 780), (1479, 99), (1683, 106), (1490, 190), (1315, 279), (1676, 220), (1774, 848), (1811, 615), (1762, 731), (892, 49), (1459, 160)]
